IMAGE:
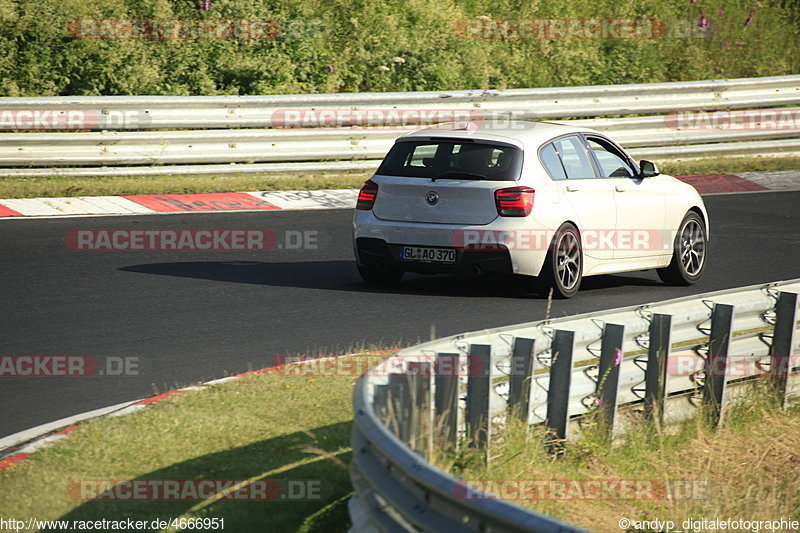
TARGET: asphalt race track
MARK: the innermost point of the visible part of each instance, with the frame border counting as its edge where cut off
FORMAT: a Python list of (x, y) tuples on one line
[(194, 316)]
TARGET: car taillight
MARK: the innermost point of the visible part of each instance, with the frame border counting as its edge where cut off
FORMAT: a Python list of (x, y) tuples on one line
[(367, 195), (514, 201)]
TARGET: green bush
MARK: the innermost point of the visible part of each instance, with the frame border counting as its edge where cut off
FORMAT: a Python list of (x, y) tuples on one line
[(359, 45)]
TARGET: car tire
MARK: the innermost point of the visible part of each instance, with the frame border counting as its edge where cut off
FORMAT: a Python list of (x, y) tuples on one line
[(689, 253), (380, 275), (563, 268)]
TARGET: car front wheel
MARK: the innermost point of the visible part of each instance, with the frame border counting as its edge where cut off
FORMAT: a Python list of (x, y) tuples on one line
[(690, 251)]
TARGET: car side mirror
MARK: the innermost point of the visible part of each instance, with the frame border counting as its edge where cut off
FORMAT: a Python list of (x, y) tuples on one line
[(647, 169)]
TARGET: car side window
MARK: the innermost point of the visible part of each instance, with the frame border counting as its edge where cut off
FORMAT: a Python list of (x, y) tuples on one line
[(613, 164), (573, 155), (552, 163)]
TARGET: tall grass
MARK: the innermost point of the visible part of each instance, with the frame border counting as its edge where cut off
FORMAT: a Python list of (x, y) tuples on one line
[(358, 45), (746, 469)]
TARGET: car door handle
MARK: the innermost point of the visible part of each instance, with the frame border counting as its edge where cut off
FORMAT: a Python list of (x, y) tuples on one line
[(572, 188), (620, 188)]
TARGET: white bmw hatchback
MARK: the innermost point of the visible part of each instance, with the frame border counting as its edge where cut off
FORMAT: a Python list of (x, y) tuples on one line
[(542, 200)]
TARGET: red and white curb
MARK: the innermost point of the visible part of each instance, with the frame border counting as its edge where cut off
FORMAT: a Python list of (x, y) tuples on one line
[(781, 180), (16, 448), (151, 204)]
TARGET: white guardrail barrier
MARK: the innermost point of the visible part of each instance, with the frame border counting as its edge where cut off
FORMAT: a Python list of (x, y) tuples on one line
[(667, 360), (355, 130)]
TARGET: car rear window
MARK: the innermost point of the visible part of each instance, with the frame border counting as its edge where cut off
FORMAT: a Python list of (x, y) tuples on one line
[(453, 159)]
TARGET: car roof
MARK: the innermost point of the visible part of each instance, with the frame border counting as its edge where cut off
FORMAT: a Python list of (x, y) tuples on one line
[(517, 132)]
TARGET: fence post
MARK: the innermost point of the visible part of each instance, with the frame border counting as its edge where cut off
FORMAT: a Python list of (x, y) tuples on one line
[(656, 372), (717, 362), (558, 389), (399, 402), (478, 386), (379, 401), (519, 383), (448, 370), (420, 373), (782, 343), (608, 378)]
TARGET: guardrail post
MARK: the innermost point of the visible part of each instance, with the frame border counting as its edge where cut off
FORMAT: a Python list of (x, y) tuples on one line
[(519, 384), (558, 389), (782, 343), (420, 373), (399, 402), (478, 386), (380, 402), (716, 366), (412, 416), (448, 370), (608, 379), (656, 373)]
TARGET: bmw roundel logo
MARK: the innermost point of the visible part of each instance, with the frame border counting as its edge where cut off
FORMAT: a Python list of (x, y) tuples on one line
[(432, 198)]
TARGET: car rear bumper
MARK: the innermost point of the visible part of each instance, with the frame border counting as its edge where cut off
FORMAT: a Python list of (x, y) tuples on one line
[(376, 252), (376, 240)]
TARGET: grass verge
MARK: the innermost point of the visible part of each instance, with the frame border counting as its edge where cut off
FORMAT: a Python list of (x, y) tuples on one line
[(66, 186), (295, 426), (728, 165), (747, 469), (270, 426)]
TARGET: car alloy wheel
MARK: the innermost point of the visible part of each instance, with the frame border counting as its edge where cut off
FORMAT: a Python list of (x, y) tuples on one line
[(690, 253), (568, 260), (563, 268), (693, 247)]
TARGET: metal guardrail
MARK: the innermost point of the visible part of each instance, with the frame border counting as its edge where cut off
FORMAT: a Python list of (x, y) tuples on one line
[(184, 112), (667, 360), (652, 134), (249, 129)]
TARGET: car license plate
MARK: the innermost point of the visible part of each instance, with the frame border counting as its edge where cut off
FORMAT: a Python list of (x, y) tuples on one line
[(430, 255)]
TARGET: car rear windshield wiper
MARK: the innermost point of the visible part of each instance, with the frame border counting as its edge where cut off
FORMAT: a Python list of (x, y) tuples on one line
[(460, 174)]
